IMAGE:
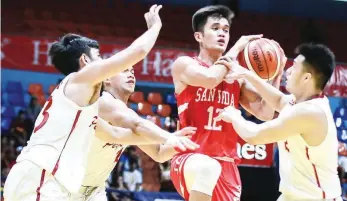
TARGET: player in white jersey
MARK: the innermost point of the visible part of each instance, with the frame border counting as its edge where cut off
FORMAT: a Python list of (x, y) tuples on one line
[(104, 155), (304, 130), (52, 165)]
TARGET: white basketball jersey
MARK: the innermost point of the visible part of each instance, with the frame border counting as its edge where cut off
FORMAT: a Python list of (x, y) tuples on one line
[(62, 138), (310, 172), (102, 158)]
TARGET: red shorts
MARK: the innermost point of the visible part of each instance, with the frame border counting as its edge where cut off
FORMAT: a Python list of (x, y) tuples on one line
[(228, 187)]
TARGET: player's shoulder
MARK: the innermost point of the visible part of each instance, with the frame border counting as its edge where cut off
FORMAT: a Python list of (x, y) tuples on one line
[(183, 61), (307, 110), (110, 102)]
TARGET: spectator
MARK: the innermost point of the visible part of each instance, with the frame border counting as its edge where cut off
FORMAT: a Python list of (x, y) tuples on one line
[(340, 116), (33, 109), (133, 177), (151, 173), (343, 155), (341, 110), (123, 163), (20, 127)]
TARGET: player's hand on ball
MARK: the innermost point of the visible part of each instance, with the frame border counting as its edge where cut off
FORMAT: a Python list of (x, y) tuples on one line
[(181, 143), (152, 17), (241, 44), (236, 71), (187, 131), (228, 114)]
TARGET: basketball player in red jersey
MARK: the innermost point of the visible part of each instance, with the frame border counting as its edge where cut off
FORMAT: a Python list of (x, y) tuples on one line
[(52, 165), (210, 172)]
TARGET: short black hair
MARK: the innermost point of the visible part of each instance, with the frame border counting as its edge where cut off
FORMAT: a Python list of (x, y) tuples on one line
[(200, 17), (319, 60), (66, 52)]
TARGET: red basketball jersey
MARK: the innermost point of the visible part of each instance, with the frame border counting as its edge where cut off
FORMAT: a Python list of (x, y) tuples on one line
[(197, 107)]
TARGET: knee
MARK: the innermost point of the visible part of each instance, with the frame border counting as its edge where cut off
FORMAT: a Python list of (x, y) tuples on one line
[(209, 168), (206, 174)]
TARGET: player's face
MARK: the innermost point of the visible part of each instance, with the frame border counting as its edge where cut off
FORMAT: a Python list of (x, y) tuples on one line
[(124, 80), (296, 75), (216, 34)]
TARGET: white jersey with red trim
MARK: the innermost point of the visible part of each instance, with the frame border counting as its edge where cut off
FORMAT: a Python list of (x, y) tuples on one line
[(62, 137), (310, 172), (102, 158)]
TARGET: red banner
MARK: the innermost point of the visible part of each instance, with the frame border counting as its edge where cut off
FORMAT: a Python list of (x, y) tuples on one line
[(25, 53)]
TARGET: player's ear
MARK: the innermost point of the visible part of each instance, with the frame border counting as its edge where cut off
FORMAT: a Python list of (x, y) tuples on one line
[(307, 76), (198, 36), (84, 60)]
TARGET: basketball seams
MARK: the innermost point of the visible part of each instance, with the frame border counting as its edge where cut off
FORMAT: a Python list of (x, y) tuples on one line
[(278, 55), (265, 60), (248, 62)]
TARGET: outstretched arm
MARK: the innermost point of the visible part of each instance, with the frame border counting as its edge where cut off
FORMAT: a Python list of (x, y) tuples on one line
[(303, 119), (118, 114), (114, 134), (99, 71)]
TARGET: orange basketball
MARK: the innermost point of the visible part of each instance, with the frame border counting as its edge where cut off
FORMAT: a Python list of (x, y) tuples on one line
[(262, 56)]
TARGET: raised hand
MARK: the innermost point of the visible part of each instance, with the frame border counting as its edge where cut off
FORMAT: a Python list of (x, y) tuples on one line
[(152, 17), (241, 44)]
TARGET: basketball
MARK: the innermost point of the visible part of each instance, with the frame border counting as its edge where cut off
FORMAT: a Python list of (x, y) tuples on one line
[(263, 57)]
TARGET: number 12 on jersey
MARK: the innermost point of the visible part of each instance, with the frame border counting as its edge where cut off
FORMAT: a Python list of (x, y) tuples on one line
[(212, 123)]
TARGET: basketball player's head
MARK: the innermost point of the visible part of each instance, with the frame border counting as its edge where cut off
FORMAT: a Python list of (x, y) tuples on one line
[(211, 26), (72, 52), (123, 83), (312, 68)]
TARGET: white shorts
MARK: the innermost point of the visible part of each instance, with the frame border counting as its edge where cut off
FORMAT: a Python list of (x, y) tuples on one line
[(27, 181), (99, 194)]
